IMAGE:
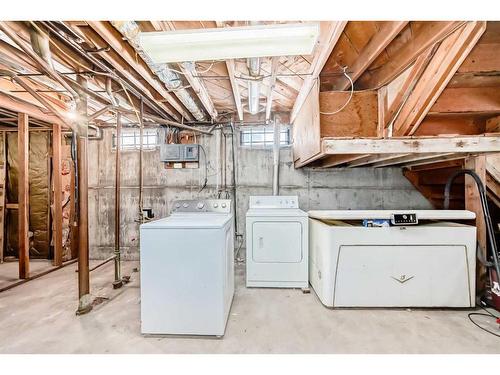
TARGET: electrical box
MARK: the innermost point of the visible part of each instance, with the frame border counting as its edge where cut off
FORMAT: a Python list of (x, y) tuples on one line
[(174, 152)]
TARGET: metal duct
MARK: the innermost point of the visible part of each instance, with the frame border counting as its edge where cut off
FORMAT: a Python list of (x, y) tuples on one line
[(41, 45), (171, 79), (276, 157)]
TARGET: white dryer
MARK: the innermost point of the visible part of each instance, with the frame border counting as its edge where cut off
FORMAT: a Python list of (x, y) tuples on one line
[(187, 269), (277, 243)]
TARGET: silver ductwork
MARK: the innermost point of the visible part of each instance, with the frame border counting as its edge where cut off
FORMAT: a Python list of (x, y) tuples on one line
[(276, 157), (172, 80), (41, 45)]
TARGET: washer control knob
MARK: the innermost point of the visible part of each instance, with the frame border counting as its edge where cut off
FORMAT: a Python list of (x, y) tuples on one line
[(200, 205), (177, 205), (185, 205), (223, 205), (216, 205)]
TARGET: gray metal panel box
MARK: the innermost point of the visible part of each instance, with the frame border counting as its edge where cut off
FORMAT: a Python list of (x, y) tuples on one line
[(173, 152)]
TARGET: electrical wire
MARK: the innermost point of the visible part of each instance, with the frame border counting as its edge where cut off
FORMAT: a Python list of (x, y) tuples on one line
[(489, 315), (205, 182), (350, 95)]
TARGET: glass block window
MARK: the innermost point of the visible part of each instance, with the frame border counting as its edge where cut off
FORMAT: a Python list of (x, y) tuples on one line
[(130, 139), (263, 136)]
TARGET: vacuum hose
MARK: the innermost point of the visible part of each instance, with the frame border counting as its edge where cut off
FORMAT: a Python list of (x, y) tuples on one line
[(484, 204)]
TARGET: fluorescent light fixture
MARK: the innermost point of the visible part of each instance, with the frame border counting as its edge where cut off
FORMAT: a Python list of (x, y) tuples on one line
[(230, 42)]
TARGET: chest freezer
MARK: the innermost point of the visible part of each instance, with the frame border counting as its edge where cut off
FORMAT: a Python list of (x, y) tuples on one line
[(429, 264)]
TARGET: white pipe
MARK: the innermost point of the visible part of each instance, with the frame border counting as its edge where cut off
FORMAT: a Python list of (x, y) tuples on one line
[(276, 157), (253, 96)]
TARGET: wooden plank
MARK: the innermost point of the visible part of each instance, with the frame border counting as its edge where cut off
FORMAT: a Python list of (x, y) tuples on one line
[(272, 82), (411, 145), (370, 159), (419, 159), (483, 58), (493, 125), (443, 65), (370, 52), (462, 100), (23, 195), (235, 87), (453, 124), (359, 118), (425, 37), (329, 35), (15, 105), (58, 194), (335, 160), (473, 203), (306, 129), (3, 190)]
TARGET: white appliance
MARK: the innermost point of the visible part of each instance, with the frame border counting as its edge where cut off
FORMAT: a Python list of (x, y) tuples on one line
[(277, 243), (430, 264), (187, 269)]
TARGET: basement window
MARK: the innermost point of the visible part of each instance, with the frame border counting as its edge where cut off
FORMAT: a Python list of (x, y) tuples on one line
[(130, 139), (263, 136)]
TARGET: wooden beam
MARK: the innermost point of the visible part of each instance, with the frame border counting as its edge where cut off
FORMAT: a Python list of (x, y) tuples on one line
[(270, 89), (196, 83), (235, 87), (58, 194), (23, 195), (452, 124), (329, 35), (419, 145), (473, 203), (443, 65), (124, 59), (463, 100), (493, 125), (335, 160), (376, 45), (424, 37), (419, 159), (16, 105), (370, 159)]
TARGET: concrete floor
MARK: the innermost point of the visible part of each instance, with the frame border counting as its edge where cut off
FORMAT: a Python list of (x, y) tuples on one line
[(9, 270), (39, 317)]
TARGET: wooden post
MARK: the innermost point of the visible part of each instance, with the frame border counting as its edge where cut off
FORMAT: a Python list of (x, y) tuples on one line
[(118, 281), (85, 301), (58, 194), (473, 203), (23, 195)]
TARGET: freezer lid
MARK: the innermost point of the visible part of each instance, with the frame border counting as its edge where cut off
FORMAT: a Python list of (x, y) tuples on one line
[(196, 221), (386, 214)]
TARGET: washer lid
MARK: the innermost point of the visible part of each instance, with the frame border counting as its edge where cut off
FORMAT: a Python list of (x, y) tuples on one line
[(189, 221), (289, 212)]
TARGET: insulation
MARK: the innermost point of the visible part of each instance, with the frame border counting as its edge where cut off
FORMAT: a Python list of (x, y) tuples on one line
[(39, 176)]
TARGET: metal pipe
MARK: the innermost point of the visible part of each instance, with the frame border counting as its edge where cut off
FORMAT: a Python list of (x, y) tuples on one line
[(39, 60), (276, 157), (118, 281), (141, 154), (98, 265)]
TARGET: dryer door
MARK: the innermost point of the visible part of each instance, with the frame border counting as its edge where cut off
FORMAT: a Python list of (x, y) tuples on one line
[(277, 242)]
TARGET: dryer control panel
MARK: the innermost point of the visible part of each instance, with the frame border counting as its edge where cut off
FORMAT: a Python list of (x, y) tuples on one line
[(202, 205), (274, 201)]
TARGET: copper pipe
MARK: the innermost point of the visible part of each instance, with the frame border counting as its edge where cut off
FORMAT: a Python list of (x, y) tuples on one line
[(118, 281)]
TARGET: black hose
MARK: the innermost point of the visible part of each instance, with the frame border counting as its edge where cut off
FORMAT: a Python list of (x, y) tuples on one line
[(484, 204), (74, 156)]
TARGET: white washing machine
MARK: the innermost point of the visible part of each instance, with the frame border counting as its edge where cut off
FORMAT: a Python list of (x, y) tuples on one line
[(277, 243), (187, 269), (425, 258)]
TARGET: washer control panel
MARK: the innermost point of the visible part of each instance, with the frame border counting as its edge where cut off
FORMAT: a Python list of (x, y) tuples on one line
[(274, 201), (202, 205), (404, 219)]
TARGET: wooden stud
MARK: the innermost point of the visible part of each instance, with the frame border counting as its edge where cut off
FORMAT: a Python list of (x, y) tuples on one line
[(370, 52), (58, 194), (235, 87), (443, 65), (427, 35), (23, 195)]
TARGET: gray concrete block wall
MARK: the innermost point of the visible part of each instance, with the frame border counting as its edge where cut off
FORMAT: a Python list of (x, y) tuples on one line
[(338, 188)]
